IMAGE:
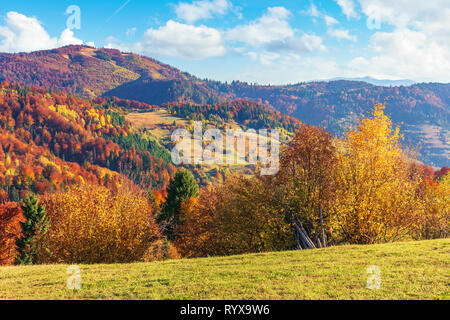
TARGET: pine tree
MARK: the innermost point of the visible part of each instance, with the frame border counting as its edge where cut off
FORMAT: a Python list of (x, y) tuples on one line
[(181, 188), (36, 225)]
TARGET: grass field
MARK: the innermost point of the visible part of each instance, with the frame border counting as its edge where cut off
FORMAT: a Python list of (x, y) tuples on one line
[(409, 270), (155, 121)]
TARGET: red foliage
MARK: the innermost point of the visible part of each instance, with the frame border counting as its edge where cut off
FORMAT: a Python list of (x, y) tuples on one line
[(53, 140), (441, 172)]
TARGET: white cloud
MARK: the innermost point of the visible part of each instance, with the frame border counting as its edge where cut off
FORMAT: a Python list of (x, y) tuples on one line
[(405, 54), (273, 34), (22, 33), (25, 34), (67, 38), (428, 16), (265, 58), (177, 40), (111, 39), (348, 8), (272, 26), (202, 9), (330, 20), (341, 34), (313, 42), (419, 45)]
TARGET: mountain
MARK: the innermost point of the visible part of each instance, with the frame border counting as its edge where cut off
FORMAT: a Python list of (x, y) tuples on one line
[(89, 72), (379, 82), (422, 109)]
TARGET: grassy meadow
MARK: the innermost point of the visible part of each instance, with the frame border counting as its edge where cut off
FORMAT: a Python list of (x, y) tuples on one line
[(409, 270)]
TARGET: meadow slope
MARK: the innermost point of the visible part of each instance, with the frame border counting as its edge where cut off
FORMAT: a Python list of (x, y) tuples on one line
[(409, 270)]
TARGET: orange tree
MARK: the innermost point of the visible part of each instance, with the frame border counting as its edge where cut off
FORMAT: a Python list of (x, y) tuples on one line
[(434, 220), (236, 217), (10, 218), (303, 187)]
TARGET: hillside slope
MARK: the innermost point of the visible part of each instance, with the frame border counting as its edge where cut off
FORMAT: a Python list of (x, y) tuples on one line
[(49, 141), (89, 72), (408, 270), (423, 110)]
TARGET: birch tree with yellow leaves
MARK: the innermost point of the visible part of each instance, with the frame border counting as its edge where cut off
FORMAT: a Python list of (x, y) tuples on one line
[(376, 192)]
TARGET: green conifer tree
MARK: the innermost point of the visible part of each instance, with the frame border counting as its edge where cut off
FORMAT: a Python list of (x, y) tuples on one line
[(33, 229), (181, 188)]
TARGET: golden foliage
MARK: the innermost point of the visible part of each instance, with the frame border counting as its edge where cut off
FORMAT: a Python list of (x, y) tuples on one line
[(376, 193), (91, 224), (233, 218)]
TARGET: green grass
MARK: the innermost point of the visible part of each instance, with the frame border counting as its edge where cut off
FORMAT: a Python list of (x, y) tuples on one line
[(409, 270)]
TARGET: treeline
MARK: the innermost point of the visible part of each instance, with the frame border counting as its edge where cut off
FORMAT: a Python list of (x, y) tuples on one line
[(245, 113), (323, 103), (334, 105), (85, 224), (111, 102), (361, 189)]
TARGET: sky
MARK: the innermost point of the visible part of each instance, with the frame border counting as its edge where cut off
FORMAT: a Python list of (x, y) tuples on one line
[(262, 41)]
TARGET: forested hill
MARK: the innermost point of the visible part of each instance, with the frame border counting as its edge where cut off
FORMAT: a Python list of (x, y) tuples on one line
[(50, 141), (423, 110), (89, 72)]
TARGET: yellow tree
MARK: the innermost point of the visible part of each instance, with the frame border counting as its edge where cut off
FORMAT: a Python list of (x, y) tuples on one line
[(376, 198), (91, 224)]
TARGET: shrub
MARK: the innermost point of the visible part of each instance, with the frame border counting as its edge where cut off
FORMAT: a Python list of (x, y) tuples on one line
[(10, 218), (161, 249), (91, 224), (236, 217), (434, 219)]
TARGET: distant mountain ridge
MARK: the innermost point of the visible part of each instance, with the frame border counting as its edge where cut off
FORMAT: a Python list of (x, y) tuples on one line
[(379, 82), (422, 109)]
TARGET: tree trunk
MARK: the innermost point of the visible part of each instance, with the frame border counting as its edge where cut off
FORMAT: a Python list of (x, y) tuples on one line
[(307, 243), (297, 238), (324, 235), (319, 244)]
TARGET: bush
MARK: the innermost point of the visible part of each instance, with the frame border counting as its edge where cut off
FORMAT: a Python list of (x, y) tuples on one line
[(160, 250), (434, 219), (236, 217), (10, 218), (91, 224)]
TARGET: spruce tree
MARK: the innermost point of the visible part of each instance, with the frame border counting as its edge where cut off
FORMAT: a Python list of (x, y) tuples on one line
[(35, 226), (181, 188)]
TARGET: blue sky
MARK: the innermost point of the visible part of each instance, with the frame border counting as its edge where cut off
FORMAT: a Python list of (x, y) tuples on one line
[(263, 41)]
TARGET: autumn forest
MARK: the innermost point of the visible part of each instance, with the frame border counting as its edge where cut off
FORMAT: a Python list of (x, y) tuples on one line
[(81, 182)]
